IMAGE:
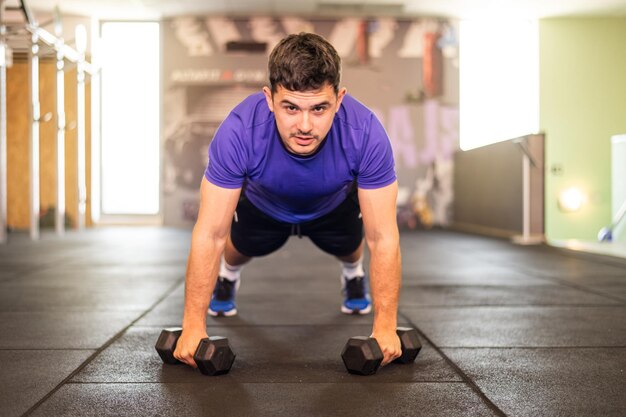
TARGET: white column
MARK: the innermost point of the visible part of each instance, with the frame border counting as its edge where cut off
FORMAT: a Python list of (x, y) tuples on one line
[(59, 220), (34, 137), (3, 128), (81, 46)]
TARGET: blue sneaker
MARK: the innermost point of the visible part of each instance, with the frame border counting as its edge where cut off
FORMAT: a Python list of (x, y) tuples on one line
[(356, 297), (223, 299)]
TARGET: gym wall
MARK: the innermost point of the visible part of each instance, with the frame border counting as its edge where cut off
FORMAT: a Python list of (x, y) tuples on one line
[(406, 71), (582, 104), (488, 189)]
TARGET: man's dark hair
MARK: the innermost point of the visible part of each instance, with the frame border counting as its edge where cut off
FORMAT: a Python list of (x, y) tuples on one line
[(304, 62)]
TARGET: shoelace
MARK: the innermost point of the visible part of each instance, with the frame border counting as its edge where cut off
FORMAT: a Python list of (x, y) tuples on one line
[(355, 288), (224, 289)]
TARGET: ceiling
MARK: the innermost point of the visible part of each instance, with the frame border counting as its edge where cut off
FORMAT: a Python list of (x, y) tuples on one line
[(155, 9)]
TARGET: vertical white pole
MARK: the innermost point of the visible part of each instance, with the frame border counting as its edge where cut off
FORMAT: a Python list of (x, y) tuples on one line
[(3, 128), (81, 46), (96, 129), (82, 168), (526, 197), (526, 238), (3, 150), (59, 220), (34, 137)]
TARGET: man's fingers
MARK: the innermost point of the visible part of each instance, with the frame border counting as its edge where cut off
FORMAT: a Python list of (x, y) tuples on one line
[(390, 356), (186, 359), (189, 361)]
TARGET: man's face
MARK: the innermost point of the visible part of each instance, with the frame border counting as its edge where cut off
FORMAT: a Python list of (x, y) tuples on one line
[(303, 118)]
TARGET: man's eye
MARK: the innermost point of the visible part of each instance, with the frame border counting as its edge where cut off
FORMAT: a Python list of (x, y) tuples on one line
[(319, 109), (291, 108)]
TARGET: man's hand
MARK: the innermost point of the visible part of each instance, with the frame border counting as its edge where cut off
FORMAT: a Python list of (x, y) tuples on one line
[(187, 344), (389, 343)]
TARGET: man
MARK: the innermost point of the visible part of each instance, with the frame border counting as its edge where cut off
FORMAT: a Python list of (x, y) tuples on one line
[(311, 161)]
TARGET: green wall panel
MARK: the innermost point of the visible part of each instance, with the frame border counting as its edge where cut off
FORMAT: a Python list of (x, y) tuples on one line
[(583, 103)]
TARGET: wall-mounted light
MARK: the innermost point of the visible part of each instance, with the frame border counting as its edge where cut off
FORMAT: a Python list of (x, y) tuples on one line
[(571, 199)]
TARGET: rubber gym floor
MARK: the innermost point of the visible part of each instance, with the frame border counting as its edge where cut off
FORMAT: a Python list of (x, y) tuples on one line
[(506, 330)]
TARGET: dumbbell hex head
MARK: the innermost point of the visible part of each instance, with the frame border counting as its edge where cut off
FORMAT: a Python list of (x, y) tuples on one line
[(362, 355), (166, 344), (410, 344), (214, 356)]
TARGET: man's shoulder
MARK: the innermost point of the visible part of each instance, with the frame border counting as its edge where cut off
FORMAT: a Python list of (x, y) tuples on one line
[(353, 112), (252, 110)]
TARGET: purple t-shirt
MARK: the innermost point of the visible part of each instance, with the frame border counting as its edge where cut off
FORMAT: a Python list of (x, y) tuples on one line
[(247, 149)]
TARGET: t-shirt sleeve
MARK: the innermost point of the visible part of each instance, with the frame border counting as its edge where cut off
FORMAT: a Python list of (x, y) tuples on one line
[(377, 168), (227, 154)]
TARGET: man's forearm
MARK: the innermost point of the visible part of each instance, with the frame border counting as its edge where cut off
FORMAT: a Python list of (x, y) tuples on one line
[(385, 281), (202, 270)]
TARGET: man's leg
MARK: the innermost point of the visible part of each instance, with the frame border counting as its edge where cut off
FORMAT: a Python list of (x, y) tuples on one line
[(252, 234), (353, 284), (339, 233), (228, 280), (232, 262), (355, 256), (232, 256)]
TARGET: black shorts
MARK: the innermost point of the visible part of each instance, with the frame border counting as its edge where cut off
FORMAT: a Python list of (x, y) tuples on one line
[(339, 232)]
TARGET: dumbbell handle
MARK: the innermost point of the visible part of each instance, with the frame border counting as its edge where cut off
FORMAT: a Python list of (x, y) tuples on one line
[(375, 353), (167, 355), (402, 358)]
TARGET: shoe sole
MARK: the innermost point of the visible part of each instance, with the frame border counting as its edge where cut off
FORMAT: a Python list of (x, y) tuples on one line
[(356, 311), (230, 313)]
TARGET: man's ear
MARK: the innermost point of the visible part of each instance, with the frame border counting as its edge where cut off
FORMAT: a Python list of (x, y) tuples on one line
[(268, 98), (342, 92)]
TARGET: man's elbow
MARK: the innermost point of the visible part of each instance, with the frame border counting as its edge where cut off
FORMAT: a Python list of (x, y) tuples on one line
[(385, 241), (212, 239)]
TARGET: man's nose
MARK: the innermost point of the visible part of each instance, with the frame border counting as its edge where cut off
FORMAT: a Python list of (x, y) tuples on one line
[(305, 124)]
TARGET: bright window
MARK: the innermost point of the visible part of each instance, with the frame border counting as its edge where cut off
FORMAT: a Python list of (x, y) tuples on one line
[(130, 117), (499, 80)]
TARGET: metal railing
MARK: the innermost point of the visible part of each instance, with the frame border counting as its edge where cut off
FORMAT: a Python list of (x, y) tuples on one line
[(606, 233)]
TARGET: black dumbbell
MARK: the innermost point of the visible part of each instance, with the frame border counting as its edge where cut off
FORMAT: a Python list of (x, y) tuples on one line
[(213, 355), (362, 355)]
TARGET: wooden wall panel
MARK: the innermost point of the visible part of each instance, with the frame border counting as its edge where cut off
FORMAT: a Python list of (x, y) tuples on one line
[(71, 145), (18, 125), (48, 133), (88, 220), (18, 120)]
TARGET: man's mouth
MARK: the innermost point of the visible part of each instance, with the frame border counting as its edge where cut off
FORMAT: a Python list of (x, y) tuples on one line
[(304, 140)]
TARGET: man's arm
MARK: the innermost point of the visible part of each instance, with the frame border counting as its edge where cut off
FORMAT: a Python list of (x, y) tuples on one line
[(207, 245), (378, 208)]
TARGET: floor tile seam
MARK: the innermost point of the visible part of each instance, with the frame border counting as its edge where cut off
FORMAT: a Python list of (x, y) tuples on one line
[(262, 383), (405, 284), (520, 306), (221, 326), (464, 377), (49, 349), (588, 347), (613, 304), (28, 271), (593, 257), (85, 310), (560, 281), (101, 349), (569, 253), (507, 264), (581, 288)]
